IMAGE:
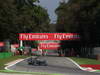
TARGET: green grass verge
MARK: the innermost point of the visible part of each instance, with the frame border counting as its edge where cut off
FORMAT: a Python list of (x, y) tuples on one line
[(32, 73), (97, 71), (9, 59), (85, 60)]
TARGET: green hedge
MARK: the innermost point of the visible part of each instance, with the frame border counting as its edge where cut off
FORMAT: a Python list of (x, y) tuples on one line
[(5, 55)]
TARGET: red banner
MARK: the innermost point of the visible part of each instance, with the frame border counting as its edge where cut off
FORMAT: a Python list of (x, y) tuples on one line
[(16, 45), (48, 36), (51, 46), (1, 44), (33, 49)]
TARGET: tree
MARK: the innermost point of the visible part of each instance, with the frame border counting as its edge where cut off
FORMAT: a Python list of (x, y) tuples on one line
[(21, 16), (81, 16)]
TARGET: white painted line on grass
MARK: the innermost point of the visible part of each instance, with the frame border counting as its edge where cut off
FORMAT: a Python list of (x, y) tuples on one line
[(15, 63), (84, 69), (75, 63)]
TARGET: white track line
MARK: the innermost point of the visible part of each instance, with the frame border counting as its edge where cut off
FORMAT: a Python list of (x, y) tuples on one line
[(84, 69), (13, 63)]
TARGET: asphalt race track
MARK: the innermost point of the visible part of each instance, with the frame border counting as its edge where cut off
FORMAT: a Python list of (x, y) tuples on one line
[(59, 65)]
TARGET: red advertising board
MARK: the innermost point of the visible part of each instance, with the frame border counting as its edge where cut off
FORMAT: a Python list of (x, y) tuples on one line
[(50, 46), (16, 45), (48, 36), (1, 44), (33, 49)]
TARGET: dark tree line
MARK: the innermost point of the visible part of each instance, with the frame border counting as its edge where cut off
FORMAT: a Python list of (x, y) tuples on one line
[(21, 16), (80, 16)]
